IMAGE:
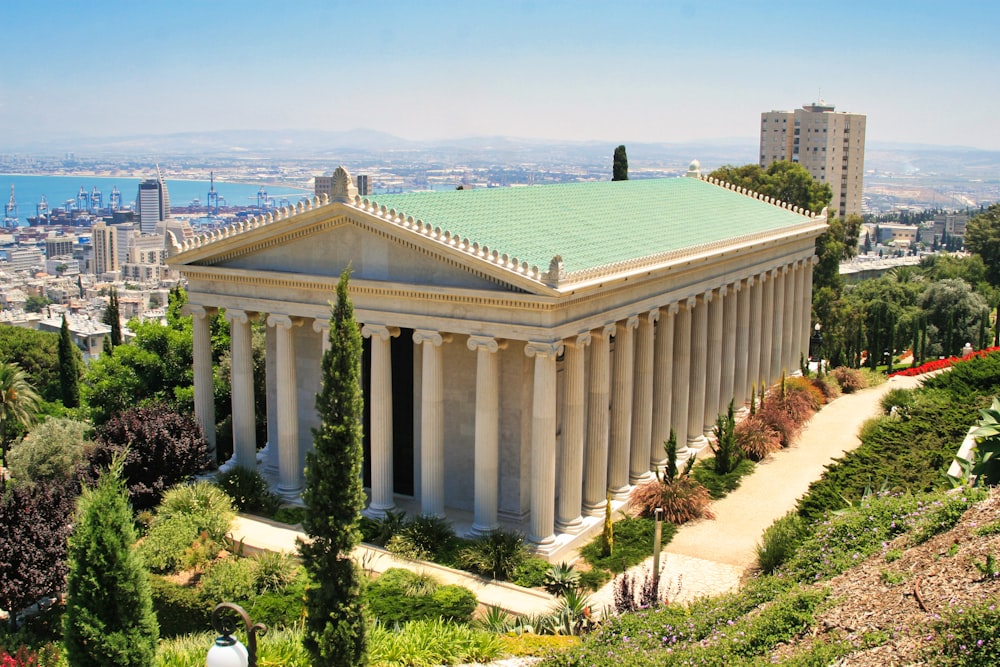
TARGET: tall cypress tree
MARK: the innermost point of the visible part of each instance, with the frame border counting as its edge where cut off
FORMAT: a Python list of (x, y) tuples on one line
[(109, 617), (619, 169), (334, 498), (69, 371), (112, 317)]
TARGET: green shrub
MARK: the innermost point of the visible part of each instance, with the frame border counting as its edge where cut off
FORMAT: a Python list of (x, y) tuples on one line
[(968, 637), (51, 451), (453, 603), (273, 571), (896, 400), (594, 578), (849, 380), (380, 531), (399, 596), (496, 554), (780, 540), (562, 578), (719, 485), (248, 490), (180, 609), (283, 608), (431, 642), (290, 515), (531, 572), (162, 550), (423, 536), (229, 579), (633, 544), (202, 503)]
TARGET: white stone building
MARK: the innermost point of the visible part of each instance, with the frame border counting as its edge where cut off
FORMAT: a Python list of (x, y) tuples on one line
[(528, 350)]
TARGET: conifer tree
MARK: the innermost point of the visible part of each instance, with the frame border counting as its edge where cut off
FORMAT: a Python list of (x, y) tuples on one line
[(112, 317), (334, 498), (69, 371), (109, 618), (619, 169)]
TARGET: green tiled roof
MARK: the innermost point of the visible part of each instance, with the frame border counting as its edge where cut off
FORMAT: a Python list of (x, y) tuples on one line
[(593, 224)]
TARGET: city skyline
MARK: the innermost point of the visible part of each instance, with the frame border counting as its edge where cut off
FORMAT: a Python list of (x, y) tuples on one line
[(637, 71)]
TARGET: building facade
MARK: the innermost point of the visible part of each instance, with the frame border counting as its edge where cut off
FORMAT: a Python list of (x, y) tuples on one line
[(104, 238), (527, 350), (152, 203), (830, 144)]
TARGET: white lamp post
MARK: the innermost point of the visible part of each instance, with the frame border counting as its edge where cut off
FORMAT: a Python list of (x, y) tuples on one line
[(227, 650)]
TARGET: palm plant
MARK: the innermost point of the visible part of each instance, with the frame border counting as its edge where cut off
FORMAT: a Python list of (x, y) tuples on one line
[(19, 403)]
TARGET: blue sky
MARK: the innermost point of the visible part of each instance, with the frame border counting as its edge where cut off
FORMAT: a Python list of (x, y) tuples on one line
[(658, 71)]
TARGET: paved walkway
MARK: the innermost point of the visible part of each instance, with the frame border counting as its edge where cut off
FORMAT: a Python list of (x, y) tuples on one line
[(703, 558)]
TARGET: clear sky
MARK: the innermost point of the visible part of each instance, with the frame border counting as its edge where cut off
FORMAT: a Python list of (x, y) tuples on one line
[(617, 71)]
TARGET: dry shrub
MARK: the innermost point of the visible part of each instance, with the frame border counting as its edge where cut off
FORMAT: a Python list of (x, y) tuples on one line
[(756, 439), (828, 388), (804, 386), (774, 413), (850, 380), (799, 406), (682, 500)]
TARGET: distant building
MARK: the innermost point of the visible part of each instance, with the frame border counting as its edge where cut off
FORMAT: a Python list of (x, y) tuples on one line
[(324, 185), (829, 144), (104, 237), (364, 185), (152, 203), (59, 245), (87, 334)]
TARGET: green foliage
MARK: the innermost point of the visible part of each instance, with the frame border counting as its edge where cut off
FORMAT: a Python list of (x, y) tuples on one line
[(562, 578), (180, 610), (380, 531), (229, 579), (619, 167), (633, 544), (281, 646), (987, 452), (967, 637), (720, 485), (248, 490), (52, 451), (202, 502), (531, 572), (18, 404), (780, 540), (37, 353), (69, 368), (982, 236), (896, 400), (188, 529), (497, 554), (109, 610), (424, 537), (431, 642), (112, 317), (290, 515), (399, 596), (334, 498), (727, 452)]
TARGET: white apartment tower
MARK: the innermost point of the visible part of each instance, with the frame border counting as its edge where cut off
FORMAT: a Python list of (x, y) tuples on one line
[(152, 203), (829, 144), (105, 240)]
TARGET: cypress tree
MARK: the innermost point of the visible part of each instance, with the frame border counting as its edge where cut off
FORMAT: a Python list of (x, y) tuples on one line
[(619, 169), (334, 498), (112, 317), (996, 326), (69, 371), (109, 618)]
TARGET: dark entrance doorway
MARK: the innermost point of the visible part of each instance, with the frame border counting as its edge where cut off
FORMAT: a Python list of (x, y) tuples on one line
[(401, 348)]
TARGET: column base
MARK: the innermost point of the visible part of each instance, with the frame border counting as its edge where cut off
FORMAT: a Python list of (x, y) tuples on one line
[(480, 531), (290, 494), (571, 527), (377, 512), (228, 464), (647, 476), (543, 546), (695, 445), (594, 510), (620, 493)]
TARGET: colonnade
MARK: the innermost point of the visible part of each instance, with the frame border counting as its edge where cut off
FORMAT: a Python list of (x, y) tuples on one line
[(625, 385)]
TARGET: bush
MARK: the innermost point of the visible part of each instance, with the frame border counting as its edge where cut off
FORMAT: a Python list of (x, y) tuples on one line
[(633, 544), (431, 642), (174, 545), (531, 572), (422, 536), (206, 505), (682, 500), (826, 386), (163, 448), (967, 637), (849, 380), (229, 579), (380, 531), (897, 401), (51, 451), (775, 414), (815, 398), (497, 554), (562, 578), (180, 610), (719, 485), (273, 571), (756, 439), (249, 490), (780, 541), (284, 608), (399, 596)]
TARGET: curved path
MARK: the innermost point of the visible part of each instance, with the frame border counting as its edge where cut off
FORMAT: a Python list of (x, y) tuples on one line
[(709, 557)]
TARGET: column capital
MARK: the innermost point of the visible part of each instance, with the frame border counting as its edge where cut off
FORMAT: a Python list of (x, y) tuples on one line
[(689, 303), (199, 311), (488, 343), (751, 281), (814, 260), (673, 308), (380, 330), (319, 326), (543, 349), (435, 338), (240, 316), (632, 322), (283, 321), (607, 331), (706, 297), (735, 286), (763, 277), (653, 315), (579, 341)]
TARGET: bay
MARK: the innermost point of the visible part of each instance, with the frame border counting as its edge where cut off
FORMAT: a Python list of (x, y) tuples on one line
[(59, 190)]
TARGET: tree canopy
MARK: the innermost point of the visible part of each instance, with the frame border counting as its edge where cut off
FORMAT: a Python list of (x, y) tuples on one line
[(619, 168), (37, 352), (982, 236), (788, 181)]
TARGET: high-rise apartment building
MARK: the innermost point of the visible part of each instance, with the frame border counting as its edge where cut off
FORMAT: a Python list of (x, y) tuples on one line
[(152, 203), (104, 238), (829, 144)]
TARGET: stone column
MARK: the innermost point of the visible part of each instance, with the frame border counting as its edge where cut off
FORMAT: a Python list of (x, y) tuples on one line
[(767, 329), (680, 397), (568, 519), (543, 444), (595, 480), (699, 369), (741, 380), (796, 354), (621, 408), (487, 456), (756, 332), (663, 378), (713, 363), (789, 322), (268, 456), (381, 418), (204, 386), (431, 422), (244, 427), (778, 324), (642, 400), (729, 333), (322, 327), (807, 296), (289, 457)]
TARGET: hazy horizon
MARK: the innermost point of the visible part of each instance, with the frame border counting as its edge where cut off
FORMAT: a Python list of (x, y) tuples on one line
[(638, 71)]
